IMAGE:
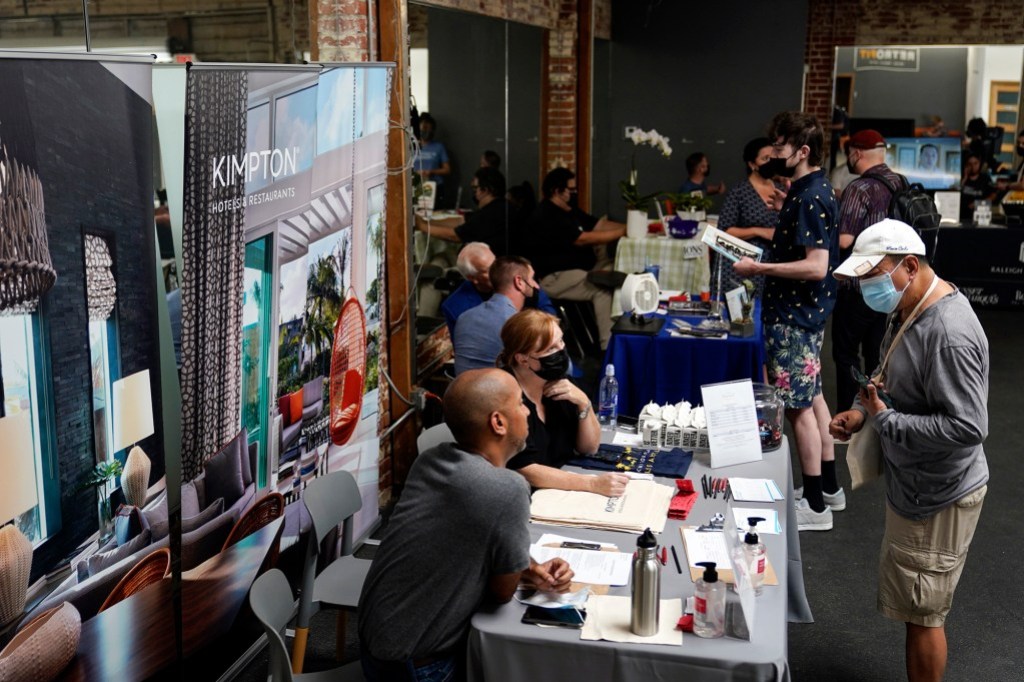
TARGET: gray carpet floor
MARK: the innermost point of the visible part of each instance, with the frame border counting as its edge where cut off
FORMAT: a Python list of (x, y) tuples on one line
[(849, 641)]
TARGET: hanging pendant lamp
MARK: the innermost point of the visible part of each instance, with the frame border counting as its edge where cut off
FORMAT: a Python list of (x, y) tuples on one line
[(26, 270)]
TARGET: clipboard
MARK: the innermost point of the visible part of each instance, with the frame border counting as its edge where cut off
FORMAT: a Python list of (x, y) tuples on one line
[(575, 586), (725, 574)]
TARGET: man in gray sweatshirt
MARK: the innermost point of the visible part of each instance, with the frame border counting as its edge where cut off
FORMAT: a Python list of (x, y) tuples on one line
[(929, 409)]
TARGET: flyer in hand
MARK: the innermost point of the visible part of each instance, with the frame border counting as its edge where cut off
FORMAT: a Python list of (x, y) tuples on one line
[(731, 247)]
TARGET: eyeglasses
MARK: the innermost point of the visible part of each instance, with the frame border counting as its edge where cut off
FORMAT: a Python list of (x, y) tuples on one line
[(474, 186)]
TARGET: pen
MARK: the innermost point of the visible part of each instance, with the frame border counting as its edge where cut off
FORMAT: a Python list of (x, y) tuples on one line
[(676, 558)]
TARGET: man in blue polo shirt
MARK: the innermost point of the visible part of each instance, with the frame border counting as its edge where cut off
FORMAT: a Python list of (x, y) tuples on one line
[(477, 339), (799, 295), (474, 263)]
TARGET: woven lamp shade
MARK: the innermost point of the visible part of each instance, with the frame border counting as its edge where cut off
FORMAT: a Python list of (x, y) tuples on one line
[(44, 647), (26, 270)]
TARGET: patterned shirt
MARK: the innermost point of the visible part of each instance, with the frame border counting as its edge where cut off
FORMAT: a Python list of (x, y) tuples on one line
[(809, 218), (744, 207)]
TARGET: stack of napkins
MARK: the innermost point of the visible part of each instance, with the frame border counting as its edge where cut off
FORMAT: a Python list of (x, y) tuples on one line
[(643, 505), (608, 618)]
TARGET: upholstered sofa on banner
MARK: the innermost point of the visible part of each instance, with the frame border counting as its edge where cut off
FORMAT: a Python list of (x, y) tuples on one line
[(210, 507)]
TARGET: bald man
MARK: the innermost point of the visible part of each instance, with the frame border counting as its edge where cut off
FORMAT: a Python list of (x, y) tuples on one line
[(458, 537)]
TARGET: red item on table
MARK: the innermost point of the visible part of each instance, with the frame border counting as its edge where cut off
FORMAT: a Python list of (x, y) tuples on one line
[(684, 499), (685, 623)]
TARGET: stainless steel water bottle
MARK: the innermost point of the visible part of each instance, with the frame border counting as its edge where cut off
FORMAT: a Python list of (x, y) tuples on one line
[(646, 587)]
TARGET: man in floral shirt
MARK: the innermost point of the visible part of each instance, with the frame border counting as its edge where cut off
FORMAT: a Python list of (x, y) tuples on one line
[(799, 295)]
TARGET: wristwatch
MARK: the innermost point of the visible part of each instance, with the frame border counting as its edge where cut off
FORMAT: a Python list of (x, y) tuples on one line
[(584, 413)]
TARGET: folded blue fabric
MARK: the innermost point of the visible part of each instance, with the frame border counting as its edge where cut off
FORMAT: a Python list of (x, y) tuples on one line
[(672, 463)]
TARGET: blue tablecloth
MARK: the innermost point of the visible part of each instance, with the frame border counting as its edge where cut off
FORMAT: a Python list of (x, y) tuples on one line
[(668, 369)]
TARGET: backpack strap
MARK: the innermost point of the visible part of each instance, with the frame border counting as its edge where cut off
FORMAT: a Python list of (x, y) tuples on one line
[(885, 181)]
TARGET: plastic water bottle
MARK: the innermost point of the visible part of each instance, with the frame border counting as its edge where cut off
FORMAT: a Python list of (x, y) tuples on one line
[(608, 399)]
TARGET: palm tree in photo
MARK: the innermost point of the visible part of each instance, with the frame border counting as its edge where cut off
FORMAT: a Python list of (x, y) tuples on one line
[(323, 304)]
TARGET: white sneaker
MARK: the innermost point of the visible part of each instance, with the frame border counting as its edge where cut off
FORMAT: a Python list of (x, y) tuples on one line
[(836, 501), (808, 519)]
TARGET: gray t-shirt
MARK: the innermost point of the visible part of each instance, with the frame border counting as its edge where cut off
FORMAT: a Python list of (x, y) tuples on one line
[(460, 520), (938, 380)]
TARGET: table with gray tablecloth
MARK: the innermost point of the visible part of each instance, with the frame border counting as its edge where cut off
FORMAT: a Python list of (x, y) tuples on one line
[(502, 649)]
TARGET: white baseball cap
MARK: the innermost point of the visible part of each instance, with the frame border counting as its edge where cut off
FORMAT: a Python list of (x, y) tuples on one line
[(886, 238)]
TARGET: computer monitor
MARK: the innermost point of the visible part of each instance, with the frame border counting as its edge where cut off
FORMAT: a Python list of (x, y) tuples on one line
[(932, 161)]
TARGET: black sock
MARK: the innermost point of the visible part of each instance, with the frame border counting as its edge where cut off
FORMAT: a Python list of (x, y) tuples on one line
[(812, 493), (829, 482)]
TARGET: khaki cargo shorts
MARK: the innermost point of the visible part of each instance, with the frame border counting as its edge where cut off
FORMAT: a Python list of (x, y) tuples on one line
[(921, 561)]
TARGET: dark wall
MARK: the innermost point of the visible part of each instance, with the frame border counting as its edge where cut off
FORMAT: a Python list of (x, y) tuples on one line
[(92, 152), (712, 73), (467, 95), (938, 88)]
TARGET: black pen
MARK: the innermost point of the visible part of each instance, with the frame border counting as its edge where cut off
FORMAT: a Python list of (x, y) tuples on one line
[(676, 558)]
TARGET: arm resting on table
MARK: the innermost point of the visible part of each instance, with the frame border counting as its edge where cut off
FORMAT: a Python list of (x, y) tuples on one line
[(542, 476)]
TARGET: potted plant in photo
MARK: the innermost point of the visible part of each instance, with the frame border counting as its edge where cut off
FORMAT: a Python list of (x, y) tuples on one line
[(102, 478), (637, 204)]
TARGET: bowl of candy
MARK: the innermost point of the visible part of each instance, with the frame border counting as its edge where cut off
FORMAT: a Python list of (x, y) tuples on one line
[(682, 229)]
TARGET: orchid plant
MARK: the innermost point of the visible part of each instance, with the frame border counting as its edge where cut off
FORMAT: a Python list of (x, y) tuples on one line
[(630, 192)]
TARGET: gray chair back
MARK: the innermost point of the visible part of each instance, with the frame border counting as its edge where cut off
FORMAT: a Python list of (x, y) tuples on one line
[(272, 603), (434, 436), (331, 500)]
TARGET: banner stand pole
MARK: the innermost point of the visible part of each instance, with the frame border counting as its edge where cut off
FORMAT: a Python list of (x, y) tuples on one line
[(85, 17)]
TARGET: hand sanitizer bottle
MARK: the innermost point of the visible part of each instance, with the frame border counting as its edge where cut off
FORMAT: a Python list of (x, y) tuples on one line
[(754, 555), (709, 603)]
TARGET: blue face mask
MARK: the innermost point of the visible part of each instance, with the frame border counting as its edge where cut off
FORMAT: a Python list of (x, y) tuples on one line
[(880, 293)]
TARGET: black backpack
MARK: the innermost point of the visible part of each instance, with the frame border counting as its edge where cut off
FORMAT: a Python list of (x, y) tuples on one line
[(910, 203)]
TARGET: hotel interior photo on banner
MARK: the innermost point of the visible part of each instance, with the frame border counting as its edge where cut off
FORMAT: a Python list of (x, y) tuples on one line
[(510, 340)]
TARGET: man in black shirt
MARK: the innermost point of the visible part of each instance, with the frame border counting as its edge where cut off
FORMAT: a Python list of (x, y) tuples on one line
[(561, 247), (488, 224)]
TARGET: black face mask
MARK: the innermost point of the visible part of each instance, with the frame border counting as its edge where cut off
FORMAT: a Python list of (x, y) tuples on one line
[(533, 300), (850, 166), (553, 367), (777, 166), (1020, 150), (574, 199), (707, 173)]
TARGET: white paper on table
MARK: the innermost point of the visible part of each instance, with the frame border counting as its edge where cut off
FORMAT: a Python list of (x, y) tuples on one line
[(608, 618), (752, 489), (733, 434), (588, 565), (631, 439), (770, 525), (552, 539), (553, 600), (706, 546)]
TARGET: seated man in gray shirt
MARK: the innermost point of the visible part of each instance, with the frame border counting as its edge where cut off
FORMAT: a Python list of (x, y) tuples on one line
[(457, 537), (477, 339)]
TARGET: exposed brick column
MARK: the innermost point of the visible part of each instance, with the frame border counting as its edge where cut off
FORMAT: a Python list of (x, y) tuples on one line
[(558, 105), (830, 23), (338, 31)]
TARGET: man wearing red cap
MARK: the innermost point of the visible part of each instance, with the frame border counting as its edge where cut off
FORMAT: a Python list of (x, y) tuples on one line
[(856, 329)]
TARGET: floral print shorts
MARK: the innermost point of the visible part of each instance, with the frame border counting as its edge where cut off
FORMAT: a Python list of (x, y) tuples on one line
[(793, 357)]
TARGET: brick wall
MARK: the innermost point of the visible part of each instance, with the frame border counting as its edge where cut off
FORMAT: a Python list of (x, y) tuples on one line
[(558, 145), (833, 23), (230, 30)]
